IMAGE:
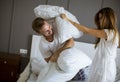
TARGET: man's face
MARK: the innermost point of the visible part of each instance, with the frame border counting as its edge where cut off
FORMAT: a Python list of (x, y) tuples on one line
[(46, 29)]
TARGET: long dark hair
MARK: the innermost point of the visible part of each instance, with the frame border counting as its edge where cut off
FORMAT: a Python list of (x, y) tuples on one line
[(109, 21)]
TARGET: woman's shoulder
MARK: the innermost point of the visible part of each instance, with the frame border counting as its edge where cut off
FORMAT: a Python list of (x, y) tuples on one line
[(111, 35), (109, 32)]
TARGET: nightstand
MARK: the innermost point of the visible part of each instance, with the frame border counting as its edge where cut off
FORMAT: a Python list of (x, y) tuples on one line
[(9, 67)]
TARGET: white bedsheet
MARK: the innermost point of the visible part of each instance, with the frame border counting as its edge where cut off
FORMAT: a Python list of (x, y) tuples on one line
[(85, 47)]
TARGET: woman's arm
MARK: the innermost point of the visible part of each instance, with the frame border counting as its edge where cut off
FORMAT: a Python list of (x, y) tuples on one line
[(68, 44), (93, 32)]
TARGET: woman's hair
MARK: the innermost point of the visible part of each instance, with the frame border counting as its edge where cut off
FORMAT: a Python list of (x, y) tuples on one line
[(106, 19), (37, 24)]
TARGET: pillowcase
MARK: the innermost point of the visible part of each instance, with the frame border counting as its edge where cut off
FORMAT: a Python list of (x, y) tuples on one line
[(71, 60), (48, 11), (66, 30)]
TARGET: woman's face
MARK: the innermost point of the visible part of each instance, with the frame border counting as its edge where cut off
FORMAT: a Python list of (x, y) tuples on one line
[(46, 29)]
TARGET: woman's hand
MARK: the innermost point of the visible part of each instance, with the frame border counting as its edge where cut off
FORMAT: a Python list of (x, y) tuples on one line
[(63, 16)]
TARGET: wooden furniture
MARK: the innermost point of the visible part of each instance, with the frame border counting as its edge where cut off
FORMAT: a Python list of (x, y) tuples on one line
[(9, 67)]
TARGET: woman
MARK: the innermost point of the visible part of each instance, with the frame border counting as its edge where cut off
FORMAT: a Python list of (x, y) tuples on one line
[(103, 67)]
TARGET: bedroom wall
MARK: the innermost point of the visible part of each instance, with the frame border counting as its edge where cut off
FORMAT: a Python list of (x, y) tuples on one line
[(5, 23), (17, 15)]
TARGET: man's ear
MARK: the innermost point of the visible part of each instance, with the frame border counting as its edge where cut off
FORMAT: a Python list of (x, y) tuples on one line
[(38, 32)]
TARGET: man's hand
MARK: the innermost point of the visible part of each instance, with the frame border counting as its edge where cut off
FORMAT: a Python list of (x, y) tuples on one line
[(54, 57), (68, 44), (47, 59)]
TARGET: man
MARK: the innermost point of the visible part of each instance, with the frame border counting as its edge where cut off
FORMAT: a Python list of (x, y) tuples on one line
[(54, 49), (50, 45)]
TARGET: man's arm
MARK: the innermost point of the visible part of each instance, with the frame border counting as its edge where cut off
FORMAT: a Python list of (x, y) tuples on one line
[(68, 44)]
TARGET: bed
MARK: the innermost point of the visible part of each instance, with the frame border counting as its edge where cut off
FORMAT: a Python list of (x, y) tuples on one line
[(85, 47)]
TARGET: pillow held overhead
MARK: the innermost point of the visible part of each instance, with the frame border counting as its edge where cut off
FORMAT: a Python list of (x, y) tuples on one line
[(65, 29)]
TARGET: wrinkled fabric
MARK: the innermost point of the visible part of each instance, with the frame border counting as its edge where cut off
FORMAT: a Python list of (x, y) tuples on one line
[(103, 67)]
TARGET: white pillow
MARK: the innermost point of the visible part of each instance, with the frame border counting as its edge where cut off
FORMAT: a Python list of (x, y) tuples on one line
[(66, 30), (48, 11), (71, 60)]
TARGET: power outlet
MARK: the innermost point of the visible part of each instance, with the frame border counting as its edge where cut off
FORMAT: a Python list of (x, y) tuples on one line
[(23, 51)]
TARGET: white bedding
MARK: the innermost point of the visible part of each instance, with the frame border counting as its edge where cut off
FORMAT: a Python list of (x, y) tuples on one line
[(85, 47), (52, 71), (34, 57)]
